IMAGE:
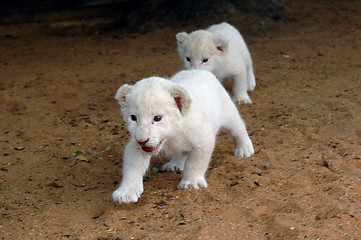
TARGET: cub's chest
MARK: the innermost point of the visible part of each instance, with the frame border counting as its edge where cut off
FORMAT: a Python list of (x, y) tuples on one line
[(177, 145)]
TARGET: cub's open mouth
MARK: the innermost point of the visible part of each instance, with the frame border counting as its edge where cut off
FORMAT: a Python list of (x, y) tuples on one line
[(151, 149)]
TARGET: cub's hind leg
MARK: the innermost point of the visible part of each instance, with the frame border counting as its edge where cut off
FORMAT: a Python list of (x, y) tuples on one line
[(243, 146), (175, 164), (233, 122)]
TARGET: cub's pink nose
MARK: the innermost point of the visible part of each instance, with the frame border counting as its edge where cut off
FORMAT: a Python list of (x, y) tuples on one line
[(144, 142)]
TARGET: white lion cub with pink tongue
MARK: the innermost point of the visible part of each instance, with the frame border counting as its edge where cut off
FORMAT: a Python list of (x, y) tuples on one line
[(222, 50), (180, 117)]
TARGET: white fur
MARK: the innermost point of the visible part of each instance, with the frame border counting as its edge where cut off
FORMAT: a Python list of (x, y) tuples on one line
[(226, 53), (187, 131)]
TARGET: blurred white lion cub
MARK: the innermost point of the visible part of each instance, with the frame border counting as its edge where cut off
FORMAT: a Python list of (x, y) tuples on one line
[(180, 116), (221, 50)]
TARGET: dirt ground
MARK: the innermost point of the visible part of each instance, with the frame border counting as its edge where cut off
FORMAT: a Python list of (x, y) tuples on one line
[(62, 135)]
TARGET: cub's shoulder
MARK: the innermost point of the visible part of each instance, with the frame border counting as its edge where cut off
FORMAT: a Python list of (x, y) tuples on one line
[(202, 77), (222, 27)]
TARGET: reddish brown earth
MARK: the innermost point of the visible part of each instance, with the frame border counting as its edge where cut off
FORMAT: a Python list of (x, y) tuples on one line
[(303, 182)]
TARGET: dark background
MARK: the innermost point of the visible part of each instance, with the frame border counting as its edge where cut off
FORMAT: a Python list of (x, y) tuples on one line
[(134, 16)]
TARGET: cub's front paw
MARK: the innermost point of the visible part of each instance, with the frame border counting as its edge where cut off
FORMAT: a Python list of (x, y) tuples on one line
[(242, 99), (192, 184), (126, 195), (244, 151)]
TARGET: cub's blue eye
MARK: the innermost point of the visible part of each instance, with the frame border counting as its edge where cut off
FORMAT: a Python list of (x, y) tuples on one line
[(133, 117), (157, 118), (188, 59), (205, 60)]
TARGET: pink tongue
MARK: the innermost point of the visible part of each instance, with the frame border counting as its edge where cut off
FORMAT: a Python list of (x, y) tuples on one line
[(147, 149)]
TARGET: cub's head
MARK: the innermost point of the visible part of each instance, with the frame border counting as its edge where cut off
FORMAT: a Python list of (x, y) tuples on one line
[(201, 50), (153, 109)]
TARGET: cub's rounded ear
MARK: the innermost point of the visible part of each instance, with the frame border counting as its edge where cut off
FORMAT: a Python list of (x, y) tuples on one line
[(122, 93), (221, 44), (181, 98), (181, 37)]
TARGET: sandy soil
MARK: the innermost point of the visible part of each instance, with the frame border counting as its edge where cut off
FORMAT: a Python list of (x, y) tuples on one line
[(304, 181)]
